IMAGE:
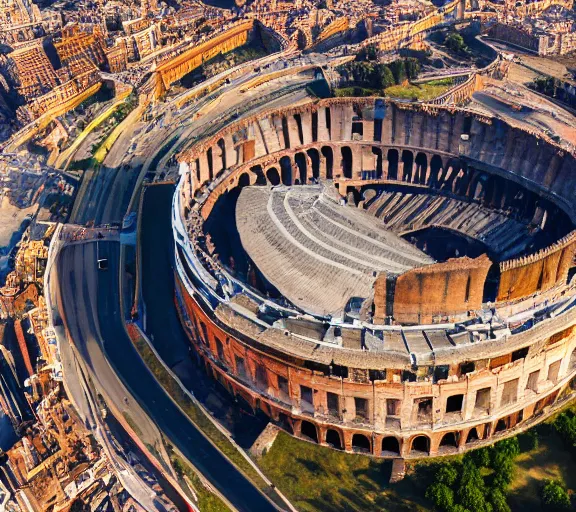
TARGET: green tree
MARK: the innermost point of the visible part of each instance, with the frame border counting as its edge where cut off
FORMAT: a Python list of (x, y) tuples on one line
[(565, 425), (385, 78), (369, 52), (455, 42), (498, 500), (447, 474), (481, 457), (509, 447), (472, 490), (554, 496), (457, 508), (398, 69), (412, 68), (471, 475), (503, 475), (472, 498), (528, 440), (441, 495)]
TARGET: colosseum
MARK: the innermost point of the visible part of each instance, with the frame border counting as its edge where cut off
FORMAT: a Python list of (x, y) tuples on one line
[(381, 277)]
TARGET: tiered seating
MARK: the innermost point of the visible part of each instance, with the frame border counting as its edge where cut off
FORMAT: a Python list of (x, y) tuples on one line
[(317, 253), (403, 212)]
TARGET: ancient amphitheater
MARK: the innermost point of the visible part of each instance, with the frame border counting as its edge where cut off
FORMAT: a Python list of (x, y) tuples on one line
[(381, 277)]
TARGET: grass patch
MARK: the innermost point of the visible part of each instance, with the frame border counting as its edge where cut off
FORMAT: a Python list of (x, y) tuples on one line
[(420, 92), (355, 92), (318, 479), (132, 424), (207, 501), (549, 461), (198, 417)]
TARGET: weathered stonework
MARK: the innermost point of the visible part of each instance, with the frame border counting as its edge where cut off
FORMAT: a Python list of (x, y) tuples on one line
[(456, 376)]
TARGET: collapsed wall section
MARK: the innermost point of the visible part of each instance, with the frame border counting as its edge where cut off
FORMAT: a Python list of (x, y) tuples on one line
[(538, 272), (422, 295)]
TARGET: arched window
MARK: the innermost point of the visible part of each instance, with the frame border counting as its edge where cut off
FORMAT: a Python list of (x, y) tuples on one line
[(333, 439), (360, 443), (390, 446), (420, 445), (308, 430)]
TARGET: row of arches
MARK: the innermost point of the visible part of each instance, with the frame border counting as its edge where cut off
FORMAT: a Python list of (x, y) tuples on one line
[(419, 445), (446, 174)]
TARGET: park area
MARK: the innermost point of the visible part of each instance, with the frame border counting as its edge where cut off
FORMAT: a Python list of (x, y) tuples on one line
[(533, 471)]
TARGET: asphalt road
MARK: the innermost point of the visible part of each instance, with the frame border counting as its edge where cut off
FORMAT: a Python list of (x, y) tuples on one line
[(93, 316)]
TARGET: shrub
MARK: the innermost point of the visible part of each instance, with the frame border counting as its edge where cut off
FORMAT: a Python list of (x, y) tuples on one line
[(554, 496), (498, 500), (528, 440), (446, 474), (441, 495), (455, 42), (481, 457)]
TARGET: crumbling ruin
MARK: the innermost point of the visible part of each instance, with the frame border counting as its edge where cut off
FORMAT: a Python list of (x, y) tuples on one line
[(312, 285)]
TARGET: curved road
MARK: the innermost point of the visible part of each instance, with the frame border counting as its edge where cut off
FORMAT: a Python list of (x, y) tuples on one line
[(95, 317)]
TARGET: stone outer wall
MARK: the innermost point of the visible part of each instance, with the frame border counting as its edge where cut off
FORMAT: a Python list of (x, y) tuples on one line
[(538, 272), (384, 416), (444, 289), (386, 403), (449, 149)]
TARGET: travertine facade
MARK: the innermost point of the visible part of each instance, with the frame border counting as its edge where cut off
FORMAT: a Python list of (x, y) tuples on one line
[(438, 358)]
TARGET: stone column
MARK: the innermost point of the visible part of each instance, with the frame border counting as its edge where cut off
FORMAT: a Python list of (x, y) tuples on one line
[(323, 133), (307, 127), (322, 166), (356, 161)]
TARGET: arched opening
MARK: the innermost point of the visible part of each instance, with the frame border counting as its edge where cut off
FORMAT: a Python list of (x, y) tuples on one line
[(452, 170), (357, 130), (273, 176), (489, 191), (210, 164), (261, 377), (407, 167), (449, 442), (197, 165), (421, 167), (314, 125), (378, 152), (243, 403), (347, 162), (244, 180), (472, 436), (435, 169), (360, 443), (392, 158), (420, 445), (328, 118), (285, 422), (222, 145), (333, 439), (308, 430), (298, 119), (329, 156), (286, 170), (314, 156), (501, 426), (260, 178), (300, 160), (390, 446), (285, 132)]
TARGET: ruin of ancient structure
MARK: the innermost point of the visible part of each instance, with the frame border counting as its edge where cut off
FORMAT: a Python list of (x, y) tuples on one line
[(312, 285)]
